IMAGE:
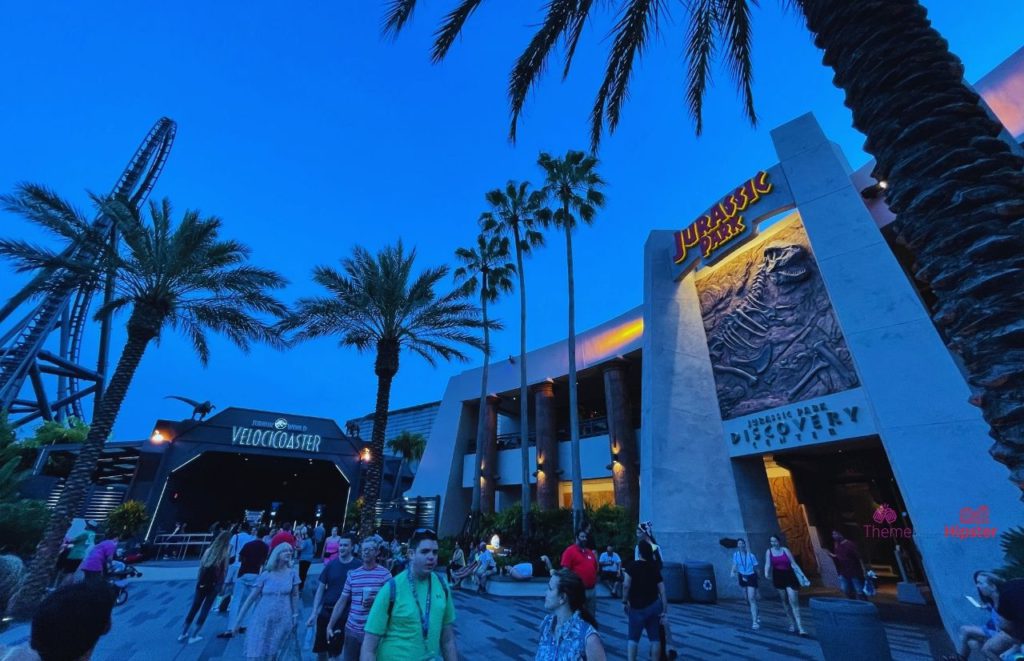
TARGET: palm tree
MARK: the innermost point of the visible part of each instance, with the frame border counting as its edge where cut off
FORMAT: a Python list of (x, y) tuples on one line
[(573, 184), (484, 268), (183, 277), (375, 303), (953, 183), (409, 447), (518, 211)]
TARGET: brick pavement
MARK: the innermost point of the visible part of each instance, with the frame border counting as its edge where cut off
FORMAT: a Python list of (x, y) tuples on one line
[(494, 628)]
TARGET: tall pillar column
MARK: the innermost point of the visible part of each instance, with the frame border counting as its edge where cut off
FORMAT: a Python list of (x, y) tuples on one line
[(622, 436), (545, 421), (489, 456)]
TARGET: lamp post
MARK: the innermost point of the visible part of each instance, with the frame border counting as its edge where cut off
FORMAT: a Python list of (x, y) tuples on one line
[(364, 459)]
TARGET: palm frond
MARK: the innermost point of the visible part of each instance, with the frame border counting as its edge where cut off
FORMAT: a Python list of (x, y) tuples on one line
[(700, 49), (450, 28), (734, 16), (573, 32), (396, 15)]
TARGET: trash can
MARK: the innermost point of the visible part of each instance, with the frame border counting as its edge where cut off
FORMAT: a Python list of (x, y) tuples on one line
[(700, 582), (675, 581), (848, 629)]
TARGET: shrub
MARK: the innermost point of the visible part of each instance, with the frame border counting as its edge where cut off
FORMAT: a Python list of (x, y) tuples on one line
[(21, 526), (127, 519)]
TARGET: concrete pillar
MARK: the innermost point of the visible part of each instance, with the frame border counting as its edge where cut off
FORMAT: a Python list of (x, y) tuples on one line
[(622, 436), (689, 487), (489, 456), (936, 442), (545, 423)]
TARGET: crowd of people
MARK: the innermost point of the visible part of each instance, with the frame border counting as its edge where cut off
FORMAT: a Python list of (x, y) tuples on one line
[(380, 600)]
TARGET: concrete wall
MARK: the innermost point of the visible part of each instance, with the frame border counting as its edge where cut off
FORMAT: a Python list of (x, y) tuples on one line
[(936, 442)]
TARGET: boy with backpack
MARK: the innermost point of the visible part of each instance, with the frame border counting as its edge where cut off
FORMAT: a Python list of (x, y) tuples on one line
[(413, 616)]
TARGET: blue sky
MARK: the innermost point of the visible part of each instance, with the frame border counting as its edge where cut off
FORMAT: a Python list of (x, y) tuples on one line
[(308, 133)]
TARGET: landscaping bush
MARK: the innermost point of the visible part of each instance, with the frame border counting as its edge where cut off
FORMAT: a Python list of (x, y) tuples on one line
[(126, 520), (1013, 546), (21, 526)]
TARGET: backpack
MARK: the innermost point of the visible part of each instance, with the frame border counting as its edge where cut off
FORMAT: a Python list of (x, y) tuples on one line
[(393, 588)]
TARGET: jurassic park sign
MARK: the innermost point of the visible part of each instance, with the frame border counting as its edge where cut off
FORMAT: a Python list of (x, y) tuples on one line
[(730, 223)]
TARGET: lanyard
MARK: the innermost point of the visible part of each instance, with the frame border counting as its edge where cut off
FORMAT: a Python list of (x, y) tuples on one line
[(424, 617)]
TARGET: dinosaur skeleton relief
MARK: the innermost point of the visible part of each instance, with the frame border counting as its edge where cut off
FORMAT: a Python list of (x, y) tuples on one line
[(772, 335)]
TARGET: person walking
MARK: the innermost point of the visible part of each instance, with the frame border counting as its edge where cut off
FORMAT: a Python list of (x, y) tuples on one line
[(319, 534), (849, 566), (569, 631), (643, 597), (645, 533), (413, 616), (611, 570), (331, 545), (306, 553), (274, 600), (580, 559), (361, 587), (781, 569), (250, 562), (988, 638), (284, 536), (328, 591), (240, 537), (213, 567), (744, 566)]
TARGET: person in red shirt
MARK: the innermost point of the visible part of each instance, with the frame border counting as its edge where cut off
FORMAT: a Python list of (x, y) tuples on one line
[(582, 561), (285, 535)]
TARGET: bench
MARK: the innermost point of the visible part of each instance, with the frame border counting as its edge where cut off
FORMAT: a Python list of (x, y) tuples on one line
[(503, 586)]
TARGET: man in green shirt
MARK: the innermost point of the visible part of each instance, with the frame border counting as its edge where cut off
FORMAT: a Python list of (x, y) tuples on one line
[(416, 622)]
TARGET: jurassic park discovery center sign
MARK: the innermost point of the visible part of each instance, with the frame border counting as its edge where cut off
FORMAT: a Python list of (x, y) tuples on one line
[(731, 221)]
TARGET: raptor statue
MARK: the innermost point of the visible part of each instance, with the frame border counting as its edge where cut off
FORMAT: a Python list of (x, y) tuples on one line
[(201, 409)]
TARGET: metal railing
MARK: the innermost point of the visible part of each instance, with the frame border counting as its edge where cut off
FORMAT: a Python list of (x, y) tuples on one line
[(596, 426), (178, 545)]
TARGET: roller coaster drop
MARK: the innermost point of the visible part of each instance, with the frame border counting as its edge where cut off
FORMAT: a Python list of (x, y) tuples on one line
[(63, 310)]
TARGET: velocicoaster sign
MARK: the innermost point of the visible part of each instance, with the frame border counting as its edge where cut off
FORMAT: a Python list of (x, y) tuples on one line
[(277, 434)]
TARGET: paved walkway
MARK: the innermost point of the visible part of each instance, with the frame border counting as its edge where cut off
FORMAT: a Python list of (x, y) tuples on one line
[(494, 628)]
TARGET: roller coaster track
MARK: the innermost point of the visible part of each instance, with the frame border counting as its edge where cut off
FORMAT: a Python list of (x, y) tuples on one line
[(63, 309)]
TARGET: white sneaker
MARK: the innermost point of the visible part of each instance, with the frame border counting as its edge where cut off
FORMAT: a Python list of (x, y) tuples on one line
[(182, 637), (194, 639)]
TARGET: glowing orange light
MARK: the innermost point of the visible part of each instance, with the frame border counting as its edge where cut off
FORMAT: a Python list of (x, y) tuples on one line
[(366, 455), (611, 341)]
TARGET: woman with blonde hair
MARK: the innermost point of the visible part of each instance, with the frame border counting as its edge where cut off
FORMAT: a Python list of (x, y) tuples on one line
[(213, 567), (275, 598)]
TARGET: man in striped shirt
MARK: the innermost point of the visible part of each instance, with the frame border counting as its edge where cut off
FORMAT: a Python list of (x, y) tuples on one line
[(361, 587)]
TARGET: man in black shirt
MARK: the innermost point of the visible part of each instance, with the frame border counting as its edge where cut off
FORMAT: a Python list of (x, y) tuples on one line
[(251, 559), (332, 582)]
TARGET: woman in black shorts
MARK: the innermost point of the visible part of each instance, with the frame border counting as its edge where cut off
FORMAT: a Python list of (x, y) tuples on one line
[(785, 575), (744, 565)]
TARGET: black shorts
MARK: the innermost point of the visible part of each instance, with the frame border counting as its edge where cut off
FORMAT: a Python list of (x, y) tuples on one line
[(748, 580), (70, 565), (322, 642), (784, 578)]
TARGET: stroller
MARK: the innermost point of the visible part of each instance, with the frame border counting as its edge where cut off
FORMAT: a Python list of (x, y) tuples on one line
[(118, 575)]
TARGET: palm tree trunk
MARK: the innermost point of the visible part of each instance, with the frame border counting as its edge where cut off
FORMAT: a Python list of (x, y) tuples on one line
[(76, 487), (956, 187), (386, 366), (524, 403), (482, 418), (574, 410)]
